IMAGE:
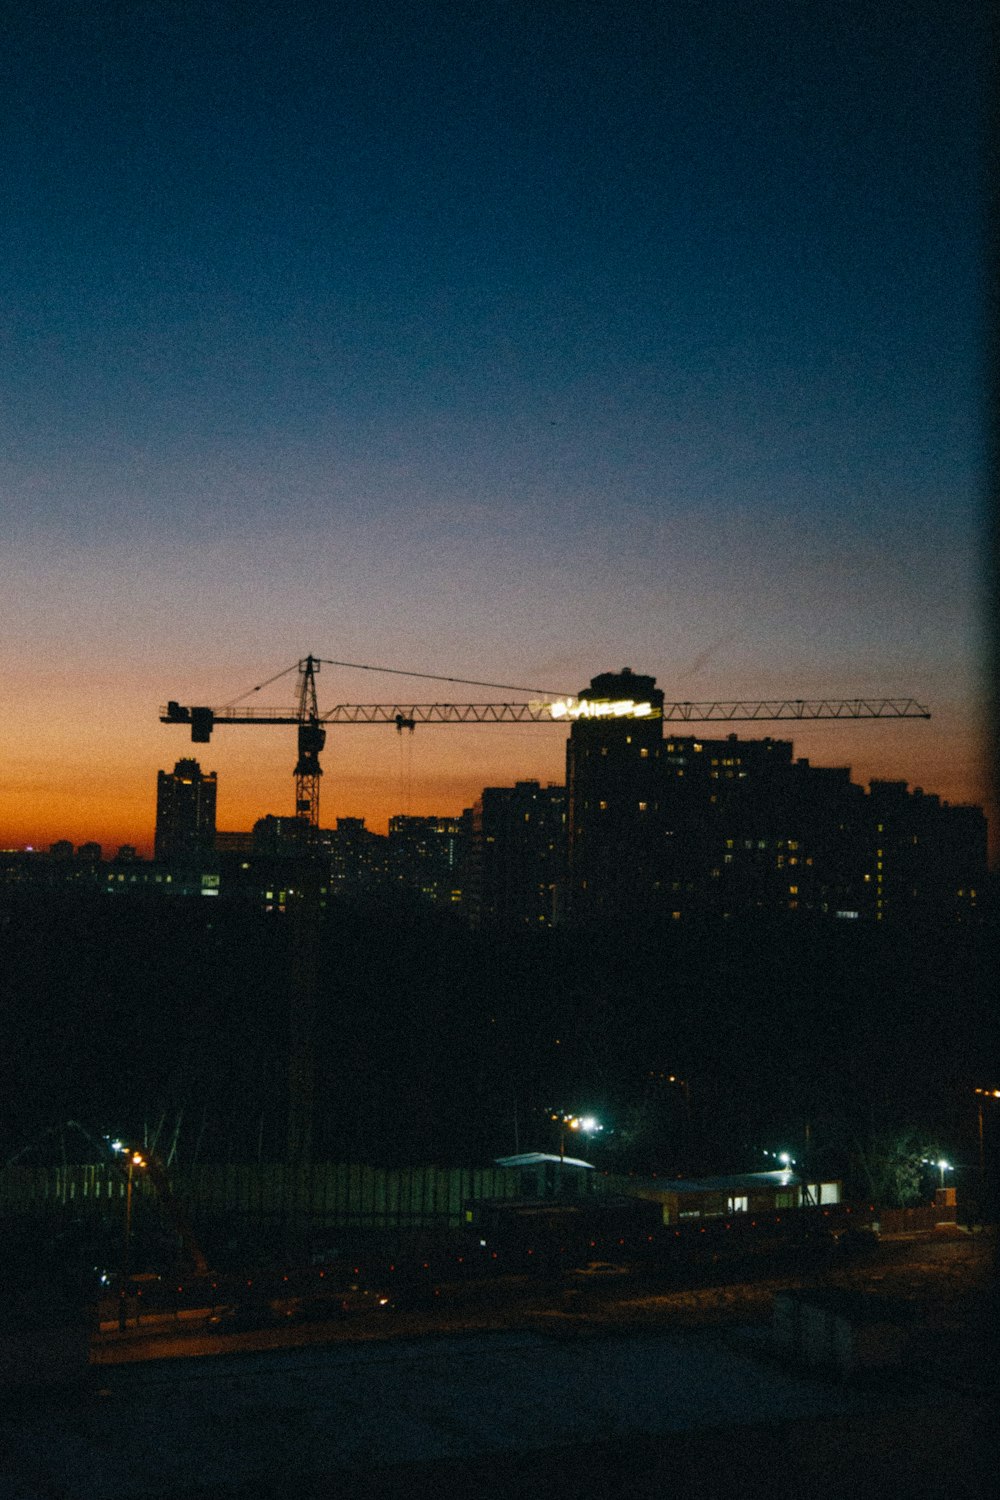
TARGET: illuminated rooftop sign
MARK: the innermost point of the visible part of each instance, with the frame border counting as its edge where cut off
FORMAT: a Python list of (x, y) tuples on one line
[(602, 708)]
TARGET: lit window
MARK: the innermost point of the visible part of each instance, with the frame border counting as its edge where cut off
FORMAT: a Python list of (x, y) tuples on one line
[(603, 806), (643, 806), (644, 753)]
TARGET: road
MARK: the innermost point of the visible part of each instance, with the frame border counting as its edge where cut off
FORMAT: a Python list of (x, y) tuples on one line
[(260, 1423), (646, 1387), (935, 1269)]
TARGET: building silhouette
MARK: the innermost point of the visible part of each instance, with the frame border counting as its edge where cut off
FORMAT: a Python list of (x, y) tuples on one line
[(675, 827), (923, 855), (518, 857), (279, 837), (185, 813), (428, 856), (358, 857), (618, 826)]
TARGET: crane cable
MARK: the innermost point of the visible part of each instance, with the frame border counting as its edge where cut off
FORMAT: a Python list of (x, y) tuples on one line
[(283, 673), (507, 687)]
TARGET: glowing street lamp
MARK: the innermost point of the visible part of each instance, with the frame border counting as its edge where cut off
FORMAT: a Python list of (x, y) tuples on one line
[(944, 1167), (135, 1159), (583, 1123), (983, 1094)]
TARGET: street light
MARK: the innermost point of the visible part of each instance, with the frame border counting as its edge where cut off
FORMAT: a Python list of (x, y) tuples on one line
[(786, 1159), (585, 1123), (983, 1094), (945, 1167), (135, 1159)]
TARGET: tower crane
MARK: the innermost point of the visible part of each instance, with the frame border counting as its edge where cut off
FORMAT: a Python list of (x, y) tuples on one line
[(305, 715), (540, 707), (547, 708)]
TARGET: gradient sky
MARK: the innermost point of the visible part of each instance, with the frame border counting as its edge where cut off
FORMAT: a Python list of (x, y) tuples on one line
[(512, 339)]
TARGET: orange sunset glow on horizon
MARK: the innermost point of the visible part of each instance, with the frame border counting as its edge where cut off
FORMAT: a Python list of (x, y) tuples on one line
[(101, 786)]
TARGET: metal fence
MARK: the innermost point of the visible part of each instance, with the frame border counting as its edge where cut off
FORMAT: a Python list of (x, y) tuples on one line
[(326, 1194)]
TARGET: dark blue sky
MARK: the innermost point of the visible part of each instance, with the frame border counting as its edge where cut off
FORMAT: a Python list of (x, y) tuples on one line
[(515, 340)]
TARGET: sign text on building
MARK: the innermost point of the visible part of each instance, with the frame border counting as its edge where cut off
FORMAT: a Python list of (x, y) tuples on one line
[(601, 708)]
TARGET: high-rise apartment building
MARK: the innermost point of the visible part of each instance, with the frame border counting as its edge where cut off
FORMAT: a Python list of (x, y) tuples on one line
[(666, 826), (617, 818), (185, 812), (925, 858), (518, 857), (429, 856)]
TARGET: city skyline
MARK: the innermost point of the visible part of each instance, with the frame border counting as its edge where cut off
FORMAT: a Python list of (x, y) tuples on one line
[(786, 734), (516, 343)]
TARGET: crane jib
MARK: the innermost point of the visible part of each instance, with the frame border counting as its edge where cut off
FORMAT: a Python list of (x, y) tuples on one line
[(203, 720)]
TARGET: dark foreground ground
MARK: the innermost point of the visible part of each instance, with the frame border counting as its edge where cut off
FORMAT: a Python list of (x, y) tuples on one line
[(605, 1387)]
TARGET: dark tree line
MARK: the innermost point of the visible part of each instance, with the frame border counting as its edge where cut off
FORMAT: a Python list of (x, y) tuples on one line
[(697, 1048)]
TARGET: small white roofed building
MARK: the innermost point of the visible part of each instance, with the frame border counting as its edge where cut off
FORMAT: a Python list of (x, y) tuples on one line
[(745, 1192)]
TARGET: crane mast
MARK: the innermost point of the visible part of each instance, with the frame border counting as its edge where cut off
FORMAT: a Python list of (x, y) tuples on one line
[(312, 738)]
